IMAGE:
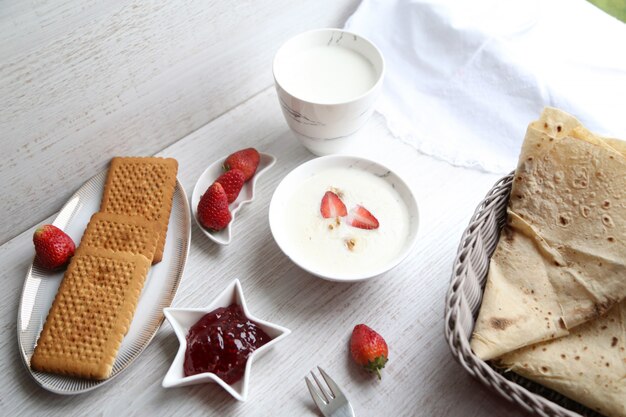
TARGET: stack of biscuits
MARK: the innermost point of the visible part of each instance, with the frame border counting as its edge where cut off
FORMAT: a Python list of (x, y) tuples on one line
[(96, 301)]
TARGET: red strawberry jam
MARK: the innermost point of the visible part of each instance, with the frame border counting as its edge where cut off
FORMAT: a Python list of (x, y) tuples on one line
[(220, 342)]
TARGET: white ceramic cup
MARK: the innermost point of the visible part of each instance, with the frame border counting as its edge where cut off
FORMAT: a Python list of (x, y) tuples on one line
[(326, 127)]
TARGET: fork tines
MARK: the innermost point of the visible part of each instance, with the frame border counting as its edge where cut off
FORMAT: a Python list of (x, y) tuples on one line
[(328, 397)]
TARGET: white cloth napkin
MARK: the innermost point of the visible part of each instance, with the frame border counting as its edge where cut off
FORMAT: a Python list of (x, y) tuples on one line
[(464, 78)]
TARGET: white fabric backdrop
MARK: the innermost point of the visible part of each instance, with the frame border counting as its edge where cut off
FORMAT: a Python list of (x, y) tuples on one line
[(464, 78)]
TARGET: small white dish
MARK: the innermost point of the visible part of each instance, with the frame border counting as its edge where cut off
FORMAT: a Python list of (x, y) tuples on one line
[(208, 177), (182, 319), (282, 229)]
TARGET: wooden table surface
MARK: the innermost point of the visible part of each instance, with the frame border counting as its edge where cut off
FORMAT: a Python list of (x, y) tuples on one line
[(405, 305)]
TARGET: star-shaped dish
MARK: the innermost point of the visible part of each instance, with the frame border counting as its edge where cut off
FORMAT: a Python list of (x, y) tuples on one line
[(181, 319)]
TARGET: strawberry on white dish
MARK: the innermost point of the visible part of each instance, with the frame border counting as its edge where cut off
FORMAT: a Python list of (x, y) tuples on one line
[(332, 206), (361, 217)]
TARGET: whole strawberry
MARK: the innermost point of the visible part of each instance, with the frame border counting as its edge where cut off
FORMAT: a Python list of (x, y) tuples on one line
[(53, 247), (245, 160), (213, 211), (368, 349), (232, 182)]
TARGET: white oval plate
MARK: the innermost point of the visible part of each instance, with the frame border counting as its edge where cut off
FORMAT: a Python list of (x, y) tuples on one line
[(162, 282), (208, 177)]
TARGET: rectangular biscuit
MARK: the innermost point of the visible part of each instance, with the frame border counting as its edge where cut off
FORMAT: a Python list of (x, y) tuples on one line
[(142, 186), (121, 233), (91, 313)]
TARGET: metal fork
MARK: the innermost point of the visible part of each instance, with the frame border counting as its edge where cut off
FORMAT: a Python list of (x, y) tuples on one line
[(332, 402)]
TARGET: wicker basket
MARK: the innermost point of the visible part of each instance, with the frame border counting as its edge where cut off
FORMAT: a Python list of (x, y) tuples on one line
[(463, 302)]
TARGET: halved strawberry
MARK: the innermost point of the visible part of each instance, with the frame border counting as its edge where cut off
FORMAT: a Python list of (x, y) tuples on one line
[(332, 206), (361, 217)]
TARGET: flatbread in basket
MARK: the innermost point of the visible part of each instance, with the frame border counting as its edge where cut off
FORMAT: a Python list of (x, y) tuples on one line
[(560, 262), (587, 365)]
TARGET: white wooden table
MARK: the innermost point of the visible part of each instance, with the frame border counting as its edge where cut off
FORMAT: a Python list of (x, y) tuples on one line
[(405, 305), (82, 81)]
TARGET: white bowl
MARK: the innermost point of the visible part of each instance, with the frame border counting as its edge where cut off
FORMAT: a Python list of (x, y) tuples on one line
[(279, 207), (208, 177), (326, 127), (182, 319)]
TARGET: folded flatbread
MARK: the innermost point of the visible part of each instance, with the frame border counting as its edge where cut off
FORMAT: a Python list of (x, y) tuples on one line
[(561, 258), (588, 365)]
